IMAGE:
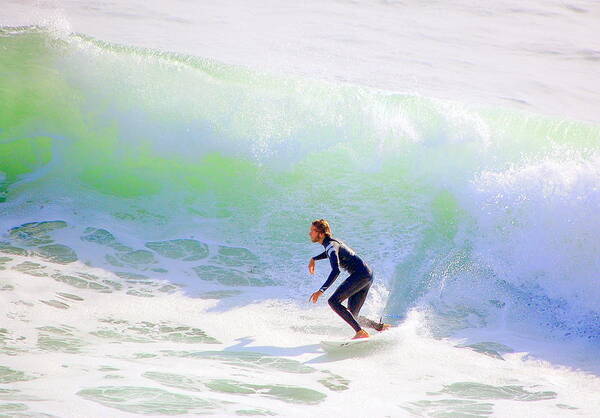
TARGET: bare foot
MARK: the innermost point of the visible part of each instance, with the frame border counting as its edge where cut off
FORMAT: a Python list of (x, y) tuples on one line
[(361, 334), (383, 327)]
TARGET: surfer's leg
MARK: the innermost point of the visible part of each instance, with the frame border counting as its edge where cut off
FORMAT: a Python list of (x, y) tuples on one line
[(355, 302), (353, 284), (366, 322)]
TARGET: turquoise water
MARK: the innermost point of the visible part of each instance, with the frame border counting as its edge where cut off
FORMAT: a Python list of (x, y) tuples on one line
[(134, 180)]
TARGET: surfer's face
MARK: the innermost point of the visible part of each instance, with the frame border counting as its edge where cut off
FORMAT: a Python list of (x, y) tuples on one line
[(315, 236)]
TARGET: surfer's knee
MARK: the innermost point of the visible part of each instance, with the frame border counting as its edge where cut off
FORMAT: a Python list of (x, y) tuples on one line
[(333, 302)]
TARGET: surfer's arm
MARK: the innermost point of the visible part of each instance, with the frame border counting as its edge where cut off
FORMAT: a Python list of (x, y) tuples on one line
[(320, 256), (335, 269)]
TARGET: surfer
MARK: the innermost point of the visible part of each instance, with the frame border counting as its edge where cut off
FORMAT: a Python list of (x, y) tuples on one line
[(354, 288)]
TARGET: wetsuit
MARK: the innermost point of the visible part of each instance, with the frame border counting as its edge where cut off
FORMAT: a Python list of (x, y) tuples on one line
[(354, 288)]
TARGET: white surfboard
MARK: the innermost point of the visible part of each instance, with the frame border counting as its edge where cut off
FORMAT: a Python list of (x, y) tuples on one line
[(331, 345)]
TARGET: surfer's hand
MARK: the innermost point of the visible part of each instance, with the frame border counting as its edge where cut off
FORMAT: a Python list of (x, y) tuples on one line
[(311, 266), (315, 296)]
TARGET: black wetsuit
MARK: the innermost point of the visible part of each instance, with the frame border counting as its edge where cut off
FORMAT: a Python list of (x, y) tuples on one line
[(354, 288)]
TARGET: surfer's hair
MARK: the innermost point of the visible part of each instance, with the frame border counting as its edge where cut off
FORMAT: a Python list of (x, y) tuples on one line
[(322, 226)]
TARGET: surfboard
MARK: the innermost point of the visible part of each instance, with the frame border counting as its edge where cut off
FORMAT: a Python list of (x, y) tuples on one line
[(331, 345)]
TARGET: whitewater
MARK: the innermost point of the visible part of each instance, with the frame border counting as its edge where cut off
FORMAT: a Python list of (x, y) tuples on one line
[(161, 163)]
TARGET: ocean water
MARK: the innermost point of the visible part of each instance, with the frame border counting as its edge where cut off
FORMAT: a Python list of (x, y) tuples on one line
[(161, 162)]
